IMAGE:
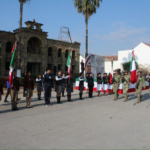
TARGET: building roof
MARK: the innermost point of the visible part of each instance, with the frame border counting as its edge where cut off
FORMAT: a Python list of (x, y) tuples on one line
[(146, 44), (109, 58)]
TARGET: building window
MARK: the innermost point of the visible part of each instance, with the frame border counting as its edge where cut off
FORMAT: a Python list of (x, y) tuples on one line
[(73, 67), (66, 68), (66, 53), (50, 50), (59, 67), (59, 52), (9, 46), (7, 65), (73, 54), (50, 66)]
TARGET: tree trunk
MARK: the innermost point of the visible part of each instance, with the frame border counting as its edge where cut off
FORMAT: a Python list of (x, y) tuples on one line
[(86, 21), (20, 35)]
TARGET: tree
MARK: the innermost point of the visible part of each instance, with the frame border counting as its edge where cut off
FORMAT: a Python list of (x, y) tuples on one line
[(87, 8), (126, 66), (20, 32)]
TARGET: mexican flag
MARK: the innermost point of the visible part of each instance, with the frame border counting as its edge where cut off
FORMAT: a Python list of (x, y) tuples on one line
[(69, 61), (133, 69), (12, 63), (111, 73)]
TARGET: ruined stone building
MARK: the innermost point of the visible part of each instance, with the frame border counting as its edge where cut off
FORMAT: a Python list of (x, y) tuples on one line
[(37, 51)]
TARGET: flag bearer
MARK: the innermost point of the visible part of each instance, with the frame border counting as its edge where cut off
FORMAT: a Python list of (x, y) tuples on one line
[(116, 82), (126, 82), (81, 85), (139, 84), (14, 91), (99, 84)]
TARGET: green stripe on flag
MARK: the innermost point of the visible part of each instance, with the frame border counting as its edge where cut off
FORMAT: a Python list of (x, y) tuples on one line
[(69, 59), (13, 57)]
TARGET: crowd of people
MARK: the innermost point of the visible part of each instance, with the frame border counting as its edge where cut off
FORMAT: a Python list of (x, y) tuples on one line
[(63, 82)]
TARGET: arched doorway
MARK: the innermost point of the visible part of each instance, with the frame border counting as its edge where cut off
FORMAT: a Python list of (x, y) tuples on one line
[(9, 46), (34, 45), (66, 53), (50, 51)]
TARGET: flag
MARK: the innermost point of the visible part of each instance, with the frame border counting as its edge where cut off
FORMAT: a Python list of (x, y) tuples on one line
[(111, 73), (12, 63), (133, 69), (69, 61)]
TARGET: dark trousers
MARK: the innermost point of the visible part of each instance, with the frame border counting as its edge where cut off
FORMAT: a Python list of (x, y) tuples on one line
[(8, 92), (47, 90), (82, 70), (90, 90)]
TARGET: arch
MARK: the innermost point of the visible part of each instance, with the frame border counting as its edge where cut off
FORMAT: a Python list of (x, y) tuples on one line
[(50, 51), (59, 52), (34, 45), (66, 53), (9, 46), (73, 54)]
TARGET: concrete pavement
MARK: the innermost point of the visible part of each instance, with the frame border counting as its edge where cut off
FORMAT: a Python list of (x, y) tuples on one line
[(97, 123)]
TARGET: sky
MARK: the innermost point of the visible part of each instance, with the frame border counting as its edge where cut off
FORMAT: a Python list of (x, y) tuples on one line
[(117, 25)]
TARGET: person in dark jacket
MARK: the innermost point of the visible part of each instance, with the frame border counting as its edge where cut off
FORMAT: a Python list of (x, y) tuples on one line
[(63, 85), (69, 89), (25, 87), (1, 90), (99, 83), (90, 85), (48, 86), (81, 85), (105, 83), (8, 89), (82, 66), (14, 91), (39, 81), (29, 89), (87, 75)]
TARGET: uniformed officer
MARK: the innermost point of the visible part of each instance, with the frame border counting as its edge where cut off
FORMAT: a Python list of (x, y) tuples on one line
[(69, 89), (81, 85), (105, 83), (87, 76), (139, 84), (126, 82), (14, 91), (48, 86), (90, 85), (99, 83), (116, 82)]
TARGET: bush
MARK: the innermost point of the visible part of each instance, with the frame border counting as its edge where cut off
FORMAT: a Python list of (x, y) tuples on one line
[(126, 66)]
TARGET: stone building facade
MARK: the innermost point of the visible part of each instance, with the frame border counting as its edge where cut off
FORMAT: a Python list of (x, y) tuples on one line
[(37, 51)]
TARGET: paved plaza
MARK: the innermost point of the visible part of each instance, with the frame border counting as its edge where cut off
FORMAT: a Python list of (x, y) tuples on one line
[(97, 123)]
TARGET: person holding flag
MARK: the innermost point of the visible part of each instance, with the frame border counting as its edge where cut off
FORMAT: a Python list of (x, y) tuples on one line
[(110, 84)]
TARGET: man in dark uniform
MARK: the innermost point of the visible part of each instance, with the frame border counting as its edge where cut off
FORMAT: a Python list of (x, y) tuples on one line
[(14, 91), (90, 85), (82, 66), (48, 85), (99, 84), (81, 85)]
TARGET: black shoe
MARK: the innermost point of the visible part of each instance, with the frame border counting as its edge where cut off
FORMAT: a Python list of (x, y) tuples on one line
[(70, 101), (59, 102), (6, 101), (16, 109), (30, 107)]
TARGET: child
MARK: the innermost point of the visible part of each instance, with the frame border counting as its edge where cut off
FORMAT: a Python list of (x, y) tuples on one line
[(99, 83), (39, 81)]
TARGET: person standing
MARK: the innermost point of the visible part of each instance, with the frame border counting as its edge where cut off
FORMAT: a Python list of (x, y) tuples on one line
[(126, 82), (81, 85), (8, 89), (105, 83), (69, 89), (87, 76), (82, 66), (110, 83), (1, 90), (139, 85), (14, 91), (39, 81), (25, 87), (90, 85), (63, 85), (48, 86), (99, 83), (116, 82), (58, 86), (29, 89)]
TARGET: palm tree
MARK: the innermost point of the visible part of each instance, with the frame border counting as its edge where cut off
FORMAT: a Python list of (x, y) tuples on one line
[(87, 8), (20, 31)]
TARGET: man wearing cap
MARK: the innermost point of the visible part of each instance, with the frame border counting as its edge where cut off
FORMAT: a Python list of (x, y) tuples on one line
[(139, 84), (14, 91), (116, 82), (126, 82)]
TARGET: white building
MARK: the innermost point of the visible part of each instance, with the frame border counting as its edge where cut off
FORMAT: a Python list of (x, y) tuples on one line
[(81, 57)]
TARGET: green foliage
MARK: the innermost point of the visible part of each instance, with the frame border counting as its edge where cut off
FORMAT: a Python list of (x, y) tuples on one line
[(126, 66), (87, 7), (24, 1)]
